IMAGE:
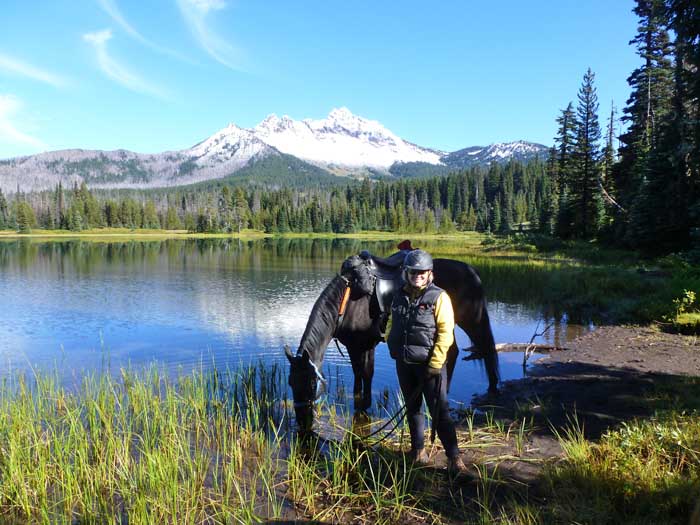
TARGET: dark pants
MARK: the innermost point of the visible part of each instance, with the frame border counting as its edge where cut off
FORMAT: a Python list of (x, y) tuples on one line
[(412, 379)]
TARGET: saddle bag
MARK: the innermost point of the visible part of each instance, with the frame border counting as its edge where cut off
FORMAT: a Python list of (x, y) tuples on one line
[(362, 277)]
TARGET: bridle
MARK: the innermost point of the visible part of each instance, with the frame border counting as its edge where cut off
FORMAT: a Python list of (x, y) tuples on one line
[(321, 383)]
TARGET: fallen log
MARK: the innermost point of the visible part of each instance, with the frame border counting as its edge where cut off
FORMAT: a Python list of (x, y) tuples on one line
[(518, 347)]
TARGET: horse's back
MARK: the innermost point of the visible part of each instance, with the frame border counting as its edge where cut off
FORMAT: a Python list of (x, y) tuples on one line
[(458, 279)]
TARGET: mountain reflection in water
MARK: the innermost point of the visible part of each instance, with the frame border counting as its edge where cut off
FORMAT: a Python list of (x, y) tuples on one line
[(81, 306)]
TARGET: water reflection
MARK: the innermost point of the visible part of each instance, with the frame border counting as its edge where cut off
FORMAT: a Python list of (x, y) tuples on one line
[(83, 305)]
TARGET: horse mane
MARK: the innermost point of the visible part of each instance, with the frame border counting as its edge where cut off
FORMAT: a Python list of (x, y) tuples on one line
[(322, 321)]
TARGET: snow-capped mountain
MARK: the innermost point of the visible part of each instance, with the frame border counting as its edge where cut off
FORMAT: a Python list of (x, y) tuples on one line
[(477, 155), (341, 139), (276, 149)]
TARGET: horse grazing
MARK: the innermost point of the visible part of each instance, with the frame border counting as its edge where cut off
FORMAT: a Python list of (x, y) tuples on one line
[(353, 308)]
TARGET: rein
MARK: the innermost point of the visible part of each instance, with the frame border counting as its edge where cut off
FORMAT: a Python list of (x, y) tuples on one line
[(401, 416)]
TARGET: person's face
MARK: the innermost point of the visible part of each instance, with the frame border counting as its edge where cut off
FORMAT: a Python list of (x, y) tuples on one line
[(418, 278)]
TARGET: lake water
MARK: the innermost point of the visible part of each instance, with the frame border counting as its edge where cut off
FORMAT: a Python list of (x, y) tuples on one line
[(78, 306)]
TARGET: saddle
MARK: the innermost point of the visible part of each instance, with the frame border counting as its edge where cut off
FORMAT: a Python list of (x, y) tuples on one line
[(387, 276)]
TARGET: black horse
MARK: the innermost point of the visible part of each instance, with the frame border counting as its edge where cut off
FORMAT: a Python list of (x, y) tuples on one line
[(358, 324)]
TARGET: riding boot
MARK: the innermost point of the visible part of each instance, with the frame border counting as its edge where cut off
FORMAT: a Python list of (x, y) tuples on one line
[(455, 466), (419, 456)]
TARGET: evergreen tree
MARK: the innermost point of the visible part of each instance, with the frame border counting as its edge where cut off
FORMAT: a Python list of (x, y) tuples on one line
[(150, 216), (25, 217), (75, 217), (648, 108), (4, 213), (60, 217), (172, 221), (682, 137), (565, 140), (241, 211), (585, 199)]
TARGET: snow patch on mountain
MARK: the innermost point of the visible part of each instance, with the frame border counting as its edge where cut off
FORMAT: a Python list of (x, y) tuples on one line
[(340, 144), (341, 139), (476, 155)]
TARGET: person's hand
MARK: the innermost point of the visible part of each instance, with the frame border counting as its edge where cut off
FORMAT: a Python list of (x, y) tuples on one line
[(431, 372)]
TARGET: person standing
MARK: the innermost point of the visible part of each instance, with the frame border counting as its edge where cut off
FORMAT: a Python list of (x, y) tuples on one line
[(421, 332)]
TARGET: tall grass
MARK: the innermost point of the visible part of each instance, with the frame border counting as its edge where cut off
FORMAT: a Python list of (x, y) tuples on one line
[(645, 471), (219, 447), (143, 449), (210, 447)]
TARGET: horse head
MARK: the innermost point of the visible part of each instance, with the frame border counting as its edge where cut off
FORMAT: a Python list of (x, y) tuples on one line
[(306, 382)]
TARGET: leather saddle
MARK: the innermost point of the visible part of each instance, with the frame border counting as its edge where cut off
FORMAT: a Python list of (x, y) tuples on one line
[(387, 275)]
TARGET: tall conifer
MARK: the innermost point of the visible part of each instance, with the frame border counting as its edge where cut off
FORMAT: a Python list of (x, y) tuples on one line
[(585, 200)]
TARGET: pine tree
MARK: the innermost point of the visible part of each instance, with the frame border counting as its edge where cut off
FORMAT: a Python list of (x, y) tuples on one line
[(4, 214), (150, 215), (25, 217), (683, 133), (241, 211), (647, 110), (585, 199), (565, 139), (172, 221)]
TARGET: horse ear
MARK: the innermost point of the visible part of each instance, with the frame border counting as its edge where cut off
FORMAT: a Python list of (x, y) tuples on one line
[(288, 353)]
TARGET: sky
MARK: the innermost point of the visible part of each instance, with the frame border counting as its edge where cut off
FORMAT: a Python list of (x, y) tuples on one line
[(164, 75)]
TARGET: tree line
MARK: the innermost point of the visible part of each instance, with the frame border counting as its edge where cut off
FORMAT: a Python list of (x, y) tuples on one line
[(644, 194), (639, 188), (498, 199)]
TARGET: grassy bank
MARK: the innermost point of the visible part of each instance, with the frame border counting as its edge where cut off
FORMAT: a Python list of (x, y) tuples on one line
[(218, 448)]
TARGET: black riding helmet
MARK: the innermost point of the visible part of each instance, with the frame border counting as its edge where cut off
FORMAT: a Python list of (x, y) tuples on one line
[(418, 260)]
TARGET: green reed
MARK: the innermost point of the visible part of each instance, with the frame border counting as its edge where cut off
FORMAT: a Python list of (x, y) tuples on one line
[(141, 449), (219, 447)]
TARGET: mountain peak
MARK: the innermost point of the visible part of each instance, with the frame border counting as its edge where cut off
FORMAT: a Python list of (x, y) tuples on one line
[(344, 116), (341, 143)]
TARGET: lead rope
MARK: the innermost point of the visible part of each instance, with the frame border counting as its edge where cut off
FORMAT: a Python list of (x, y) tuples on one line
[(416, 393)]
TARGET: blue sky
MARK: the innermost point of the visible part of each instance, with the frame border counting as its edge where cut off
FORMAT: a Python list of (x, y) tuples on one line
[(165, 74)]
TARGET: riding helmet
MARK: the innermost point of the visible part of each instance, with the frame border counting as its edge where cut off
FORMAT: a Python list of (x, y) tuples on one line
[(418, 260)]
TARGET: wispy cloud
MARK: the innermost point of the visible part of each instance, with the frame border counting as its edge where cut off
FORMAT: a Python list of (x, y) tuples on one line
[(9, 107), (110, 7), (18, 67), (116, 71), (195, 13)]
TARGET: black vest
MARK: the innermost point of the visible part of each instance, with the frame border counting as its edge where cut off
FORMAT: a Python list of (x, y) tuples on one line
[(413, 328)]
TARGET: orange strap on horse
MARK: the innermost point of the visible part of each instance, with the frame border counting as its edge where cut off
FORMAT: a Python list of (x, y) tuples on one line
[(344, 301)]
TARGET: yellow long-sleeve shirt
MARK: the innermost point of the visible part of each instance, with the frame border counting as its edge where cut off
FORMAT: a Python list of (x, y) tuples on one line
[(444, 327)]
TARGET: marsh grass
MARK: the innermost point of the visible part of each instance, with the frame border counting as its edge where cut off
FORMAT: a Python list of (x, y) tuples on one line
[(210, 447), (143, 449), (219, 447), (644, 472)]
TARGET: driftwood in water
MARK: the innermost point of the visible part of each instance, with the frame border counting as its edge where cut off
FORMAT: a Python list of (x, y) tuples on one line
[(527, 348)]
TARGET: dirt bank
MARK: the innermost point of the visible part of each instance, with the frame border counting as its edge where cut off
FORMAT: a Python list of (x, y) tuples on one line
[(606, 377)]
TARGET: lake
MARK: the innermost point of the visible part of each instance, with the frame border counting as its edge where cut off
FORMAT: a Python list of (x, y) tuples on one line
[(75, 306)]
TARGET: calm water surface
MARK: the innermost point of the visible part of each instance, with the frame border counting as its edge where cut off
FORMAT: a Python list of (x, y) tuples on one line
[(77, 306)]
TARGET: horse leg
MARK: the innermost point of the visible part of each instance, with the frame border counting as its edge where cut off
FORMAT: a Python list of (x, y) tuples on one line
[(451, 361), (357, 360), (367, 375)]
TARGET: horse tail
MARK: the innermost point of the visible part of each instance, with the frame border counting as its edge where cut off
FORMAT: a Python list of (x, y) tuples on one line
[(478, 327), (486, 343)]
